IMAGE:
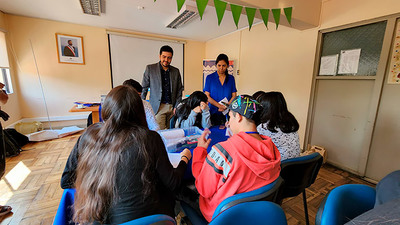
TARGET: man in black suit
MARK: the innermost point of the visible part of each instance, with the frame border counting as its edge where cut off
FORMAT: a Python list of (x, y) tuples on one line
[(165, 86), (69, 50)]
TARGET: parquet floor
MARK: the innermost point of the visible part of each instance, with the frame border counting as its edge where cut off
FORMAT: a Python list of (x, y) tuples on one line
[(31, 184)]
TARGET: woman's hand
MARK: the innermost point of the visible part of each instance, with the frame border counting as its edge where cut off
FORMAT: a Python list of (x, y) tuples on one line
[(221, 108), (202, 141), (186, 155)]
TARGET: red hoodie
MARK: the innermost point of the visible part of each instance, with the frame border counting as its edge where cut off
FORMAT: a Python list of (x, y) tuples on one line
[(240, 164)]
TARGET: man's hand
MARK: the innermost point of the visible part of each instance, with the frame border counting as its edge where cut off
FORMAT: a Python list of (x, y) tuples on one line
[(202, 141)]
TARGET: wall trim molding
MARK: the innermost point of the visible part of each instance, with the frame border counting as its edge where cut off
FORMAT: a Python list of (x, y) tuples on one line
[(52, 119)]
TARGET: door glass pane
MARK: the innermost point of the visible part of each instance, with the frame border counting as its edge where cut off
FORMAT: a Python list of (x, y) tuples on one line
[(368, 38)]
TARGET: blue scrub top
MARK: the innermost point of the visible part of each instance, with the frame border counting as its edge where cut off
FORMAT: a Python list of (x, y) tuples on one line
[(218, 91)]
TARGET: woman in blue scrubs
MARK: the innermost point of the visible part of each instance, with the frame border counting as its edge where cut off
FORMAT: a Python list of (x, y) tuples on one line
[(220, 85)]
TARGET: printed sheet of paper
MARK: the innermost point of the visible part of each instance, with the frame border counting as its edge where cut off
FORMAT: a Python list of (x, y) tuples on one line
[(328, 65), (224, 100), (349, 59)]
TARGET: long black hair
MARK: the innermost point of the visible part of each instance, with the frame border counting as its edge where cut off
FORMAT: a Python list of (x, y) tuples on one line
[(187, 105), (124, 119), (276, 113)]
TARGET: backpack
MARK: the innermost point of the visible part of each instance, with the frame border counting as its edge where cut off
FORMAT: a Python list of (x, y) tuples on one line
[(13, 141)]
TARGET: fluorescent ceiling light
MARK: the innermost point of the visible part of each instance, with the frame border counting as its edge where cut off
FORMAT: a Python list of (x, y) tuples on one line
[(185, 16), (92, 7)]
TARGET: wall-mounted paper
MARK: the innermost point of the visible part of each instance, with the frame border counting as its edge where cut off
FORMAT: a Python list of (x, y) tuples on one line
[(328, 65), (348, 62)]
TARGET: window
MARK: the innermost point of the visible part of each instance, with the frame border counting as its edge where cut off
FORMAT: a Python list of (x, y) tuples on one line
[(5, 77)]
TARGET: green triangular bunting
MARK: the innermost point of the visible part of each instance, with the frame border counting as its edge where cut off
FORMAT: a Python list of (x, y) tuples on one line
[(236, 11), (180, 4), (220, 7), (277, 16), (288, 14), (251, 12), (201, 6), (265, 14)]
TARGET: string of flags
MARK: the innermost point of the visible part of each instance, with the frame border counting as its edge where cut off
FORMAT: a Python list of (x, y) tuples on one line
[(220, 7)]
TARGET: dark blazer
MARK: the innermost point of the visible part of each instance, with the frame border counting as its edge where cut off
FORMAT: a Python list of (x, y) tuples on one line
[(152, 80)]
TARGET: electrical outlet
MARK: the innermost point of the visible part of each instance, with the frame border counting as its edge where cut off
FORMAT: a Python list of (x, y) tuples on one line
[(238, 72)]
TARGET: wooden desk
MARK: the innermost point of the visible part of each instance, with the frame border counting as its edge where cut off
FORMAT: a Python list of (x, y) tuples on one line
[(93, 109)]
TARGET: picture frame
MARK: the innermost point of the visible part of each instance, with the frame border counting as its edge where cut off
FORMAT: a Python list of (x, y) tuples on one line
[(70, 49)]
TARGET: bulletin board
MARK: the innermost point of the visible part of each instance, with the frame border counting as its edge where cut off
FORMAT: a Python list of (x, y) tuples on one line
[(394, 66)]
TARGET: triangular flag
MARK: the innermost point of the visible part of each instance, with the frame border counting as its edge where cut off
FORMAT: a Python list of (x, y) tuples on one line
[(277, 16), (288, 14), (265, 14), (180, 4), (220, 7), (201, 6), (236, 11), (251, 12)]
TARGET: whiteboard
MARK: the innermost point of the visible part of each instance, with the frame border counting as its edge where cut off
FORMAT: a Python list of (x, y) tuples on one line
[(129, 56)]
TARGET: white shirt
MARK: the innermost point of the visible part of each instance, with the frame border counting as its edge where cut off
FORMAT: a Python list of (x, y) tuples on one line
[(288, 144), (150, 118)]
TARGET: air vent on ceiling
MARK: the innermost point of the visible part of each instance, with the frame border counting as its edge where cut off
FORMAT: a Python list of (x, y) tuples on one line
[(187, 13), (92, 7)]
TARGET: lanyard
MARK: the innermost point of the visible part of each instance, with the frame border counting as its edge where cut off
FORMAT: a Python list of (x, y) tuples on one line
[(251, 132)]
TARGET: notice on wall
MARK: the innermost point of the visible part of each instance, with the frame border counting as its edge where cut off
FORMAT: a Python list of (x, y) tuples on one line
[(349, 59), (394, 66), (328, 66)]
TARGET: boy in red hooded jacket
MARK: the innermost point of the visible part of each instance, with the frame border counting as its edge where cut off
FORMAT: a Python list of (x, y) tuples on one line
[(243, 163)]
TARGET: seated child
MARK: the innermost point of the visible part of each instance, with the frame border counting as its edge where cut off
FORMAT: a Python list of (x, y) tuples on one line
[(245, 162), (193, 111)]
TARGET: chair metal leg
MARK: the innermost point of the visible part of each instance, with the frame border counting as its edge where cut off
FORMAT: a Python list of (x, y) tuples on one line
[(305, 207)]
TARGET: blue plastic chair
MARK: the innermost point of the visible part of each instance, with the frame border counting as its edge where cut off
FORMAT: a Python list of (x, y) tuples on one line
[(299, 173), (260, 212), (64, 211), (158, 219), (344, 203), (265, 193)]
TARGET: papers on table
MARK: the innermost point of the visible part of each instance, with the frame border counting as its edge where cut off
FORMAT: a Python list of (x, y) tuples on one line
[(174, 158)]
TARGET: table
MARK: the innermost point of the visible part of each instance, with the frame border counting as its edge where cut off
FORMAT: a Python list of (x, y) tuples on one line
[(93, 109), (217, 135)]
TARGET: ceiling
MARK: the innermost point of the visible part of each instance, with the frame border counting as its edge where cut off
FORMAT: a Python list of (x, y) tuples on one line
[(153, 18)]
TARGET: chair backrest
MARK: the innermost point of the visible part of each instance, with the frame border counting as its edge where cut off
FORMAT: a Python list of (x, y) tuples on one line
[(260, 212), (65, 208), (158, 219), (266, 193), (299, 173), (344, 203)]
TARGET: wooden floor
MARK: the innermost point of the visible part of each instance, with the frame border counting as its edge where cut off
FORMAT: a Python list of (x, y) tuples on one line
[(31, 185)]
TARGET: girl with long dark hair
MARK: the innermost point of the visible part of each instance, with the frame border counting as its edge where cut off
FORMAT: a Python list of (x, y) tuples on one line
[(123, 171), (279, 124), (194, 111)]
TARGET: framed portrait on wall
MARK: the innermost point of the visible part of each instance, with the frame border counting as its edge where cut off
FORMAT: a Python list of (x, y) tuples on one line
[(70, 49)]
